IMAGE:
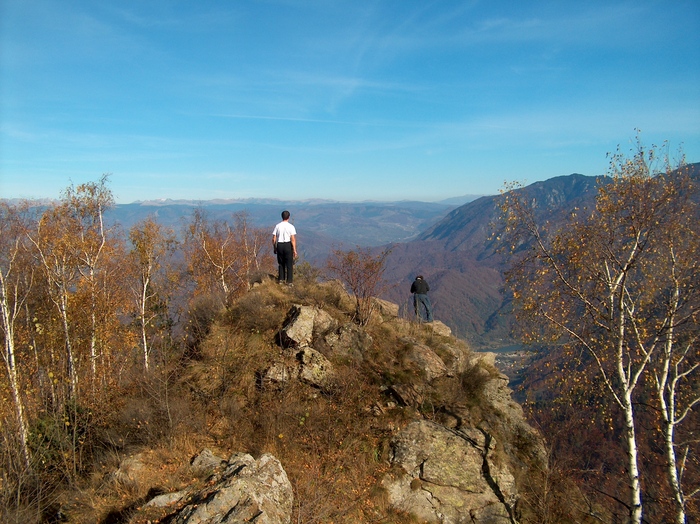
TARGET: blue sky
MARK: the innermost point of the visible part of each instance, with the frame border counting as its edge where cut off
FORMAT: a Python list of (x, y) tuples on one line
[(356, 100)]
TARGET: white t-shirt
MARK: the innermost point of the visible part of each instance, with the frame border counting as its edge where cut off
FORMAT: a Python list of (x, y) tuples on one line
[(283, 231)]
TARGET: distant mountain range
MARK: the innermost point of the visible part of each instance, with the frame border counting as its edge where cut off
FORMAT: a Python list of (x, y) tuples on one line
[(321, 224), (451, 245)]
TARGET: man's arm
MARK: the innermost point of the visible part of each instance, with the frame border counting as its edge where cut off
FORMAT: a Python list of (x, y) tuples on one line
[(294, 245), (274, 243)]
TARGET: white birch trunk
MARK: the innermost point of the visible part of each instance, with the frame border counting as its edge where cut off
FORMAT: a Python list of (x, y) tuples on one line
[(144, 339), (632, 456), (9, 357), (72, 374)]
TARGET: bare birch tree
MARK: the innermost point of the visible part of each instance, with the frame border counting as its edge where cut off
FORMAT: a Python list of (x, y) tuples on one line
[(151, 245), (15, 284), (362, 271), (587, 284), (87, 204)]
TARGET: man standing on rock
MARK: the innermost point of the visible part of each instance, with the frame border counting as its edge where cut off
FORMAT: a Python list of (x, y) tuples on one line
[(284, 244), (420, 289)]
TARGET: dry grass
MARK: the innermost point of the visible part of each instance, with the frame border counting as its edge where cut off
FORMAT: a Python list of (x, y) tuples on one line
[(334, 444)]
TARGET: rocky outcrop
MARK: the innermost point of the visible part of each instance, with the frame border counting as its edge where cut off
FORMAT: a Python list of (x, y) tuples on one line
[(448, 465), (425, 360), (505, 415), (348, 341), (449, 476), (384, 308), (446, 473), (241, 489), (454, 357), (440, 329), (302, 324)]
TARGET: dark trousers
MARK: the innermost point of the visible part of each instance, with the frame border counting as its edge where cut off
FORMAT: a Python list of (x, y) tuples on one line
[(418, 299), (285, 261)]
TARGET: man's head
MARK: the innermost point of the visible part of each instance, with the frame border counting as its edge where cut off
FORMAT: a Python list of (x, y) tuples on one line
[(419, 277), (285, 215)]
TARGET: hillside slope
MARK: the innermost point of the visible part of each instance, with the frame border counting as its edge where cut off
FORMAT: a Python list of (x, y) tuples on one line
[(463, 261), (364, 422), (460, 258)]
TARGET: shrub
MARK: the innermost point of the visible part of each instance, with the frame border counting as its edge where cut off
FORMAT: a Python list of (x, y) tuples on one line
[(202, 312)]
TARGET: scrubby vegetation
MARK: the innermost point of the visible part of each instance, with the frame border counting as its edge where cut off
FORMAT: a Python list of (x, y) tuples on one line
[(100, 464)]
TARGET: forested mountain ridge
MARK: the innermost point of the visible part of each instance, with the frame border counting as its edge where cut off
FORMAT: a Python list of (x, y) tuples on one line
[(469, 227), (463, 258)]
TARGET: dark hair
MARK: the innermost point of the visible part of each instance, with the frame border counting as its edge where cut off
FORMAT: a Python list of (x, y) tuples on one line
[(285, 215), (420, 276)]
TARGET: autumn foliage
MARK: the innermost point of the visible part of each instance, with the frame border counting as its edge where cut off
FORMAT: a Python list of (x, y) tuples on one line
[(85, 308), (614, 295)]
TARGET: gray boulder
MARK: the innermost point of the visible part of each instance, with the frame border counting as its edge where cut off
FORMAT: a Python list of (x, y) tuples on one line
[(310, 366), (247, 490), (277, 374), (347, 341), (385, 308), (302, 324), (439, 328), (315, 369), (205, 462), (449, 477), (167, 499), (425, 359)]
